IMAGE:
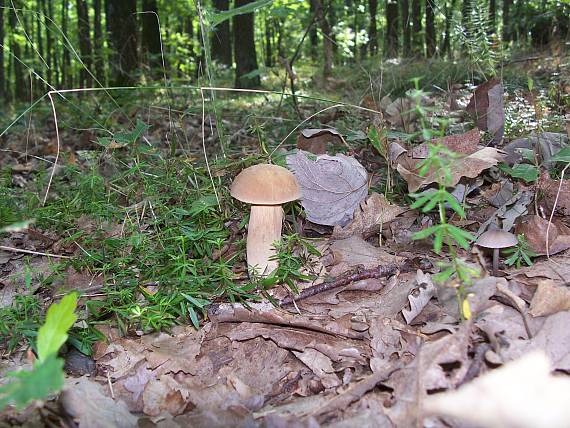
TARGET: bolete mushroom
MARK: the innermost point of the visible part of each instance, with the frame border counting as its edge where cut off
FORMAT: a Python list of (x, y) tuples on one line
[(496, 239), (265, 187)]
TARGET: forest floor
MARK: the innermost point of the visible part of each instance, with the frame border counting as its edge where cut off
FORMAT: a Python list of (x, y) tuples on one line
[(126, 212)]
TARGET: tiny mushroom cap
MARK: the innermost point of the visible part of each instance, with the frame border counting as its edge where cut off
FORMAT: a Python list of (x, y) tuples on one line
[(265, 184), (265, 187), (497, 239)]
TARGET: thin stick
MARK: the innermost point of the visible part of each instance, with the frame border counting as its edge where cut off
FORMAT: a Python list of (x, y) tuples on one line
[(36, 253), (553, 210), (377, 272), (53, 168), (204, 148)]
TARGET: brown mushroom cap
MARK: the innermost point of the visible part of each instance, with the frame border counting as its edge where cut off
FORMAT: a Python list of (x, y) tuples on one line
[(497, 239), (265, 184)]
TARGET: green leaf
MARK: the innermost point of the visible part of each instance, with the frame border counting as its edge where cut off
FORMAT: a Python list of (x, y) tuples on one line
[(460, 236), (438, 241), (46, 377), (562, 156), (59, 319), (528, 173), (511, 260), (422, 199), (454, 204), (219, 17), (422, 234)]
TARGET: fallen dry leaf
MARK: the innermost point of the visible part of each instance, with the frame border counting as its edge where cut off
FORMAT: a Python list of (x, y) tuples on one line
[(332, 187), (355, 251), (470, 166), (425, 291), (547, 144), (552, 191), (521, 394), (316, 141), (91, 406), (487, 107), (549, 299), (534, 228), (370, 218)]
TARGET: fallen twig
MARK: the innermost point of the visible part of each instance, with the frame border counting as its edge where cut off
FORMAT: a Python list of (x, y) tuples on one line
[(377, 272), (36, 253)]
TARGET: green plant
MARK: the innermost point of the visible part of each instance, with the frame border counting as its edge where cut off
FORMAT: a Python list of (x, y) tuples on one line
[(439, 161), (520, 254), (46, 376)]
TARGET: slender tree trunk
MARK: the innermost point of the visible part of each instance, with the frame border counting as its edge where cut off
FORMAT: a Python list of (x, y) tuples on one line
[(493, 16), (98, 42), (221, 37), (66, 76), (372, 29), (327, 41), (20, 88), (123, 23), (407, 36), (391, 39), (313, 35), (430, 29), (150, 42), (39, 38), (417, 40), (245, 55), (446, 45), (268, 46), (507, 20), (2, 34), (84, 42), (331, 19)]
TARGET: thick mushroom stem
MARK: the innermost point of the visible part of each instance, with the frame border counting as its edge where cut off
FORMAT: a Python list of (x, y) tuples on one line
[(495, 261), (264, 229)]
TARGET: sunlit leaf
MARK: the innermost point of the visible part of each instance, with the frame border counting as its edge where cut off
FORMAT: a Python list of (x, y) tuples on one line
[(59, 319)]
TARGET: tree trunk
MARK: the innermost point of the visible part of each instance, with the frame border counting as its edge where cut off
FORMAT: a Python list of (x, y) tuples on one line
[(407, 35), (430, 29), (84, 43), (507, 20), (372, 29), (98, 42), (150, 42), (245, 55), (268, 44), (221, 37), (391, 44), (417, 41), (446, 45), (493, 16), (2, 73), (123, 24), (313, 34), (66, 76), (327, 41), (20, 88)]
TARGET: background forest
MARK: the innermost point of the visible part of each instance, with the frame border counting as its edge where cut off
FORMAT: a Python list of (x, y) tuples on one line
[(85, 43)]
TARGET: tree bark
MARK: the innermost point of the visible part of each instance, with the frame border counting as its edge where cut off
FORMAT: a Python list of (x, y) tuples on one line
[(327, 41), (417, 40), (150, 36), (123, 24), (20, 88), (313, 34), (507, 20), (446, 45), (407, 36), (268, 45), (372, 29), (245, 55), (391, 39), (430, 29), (221, 37), (84, 43), (2, 34), (66, 76), (493, 16), (98, 42)]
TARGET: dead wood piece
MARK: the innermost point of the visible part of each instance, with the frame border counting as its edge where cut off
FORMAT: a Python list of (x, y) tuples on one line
[(377, 272)]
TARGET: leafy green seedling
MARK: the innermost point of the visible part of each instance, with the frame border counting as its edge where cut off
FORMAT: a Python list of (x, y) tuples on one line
[(521, 253), (46, 376)]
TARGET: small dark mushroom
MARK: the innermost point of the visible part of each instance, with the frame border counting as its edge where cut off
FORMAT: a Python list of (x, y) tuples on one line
[(496, 239)]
